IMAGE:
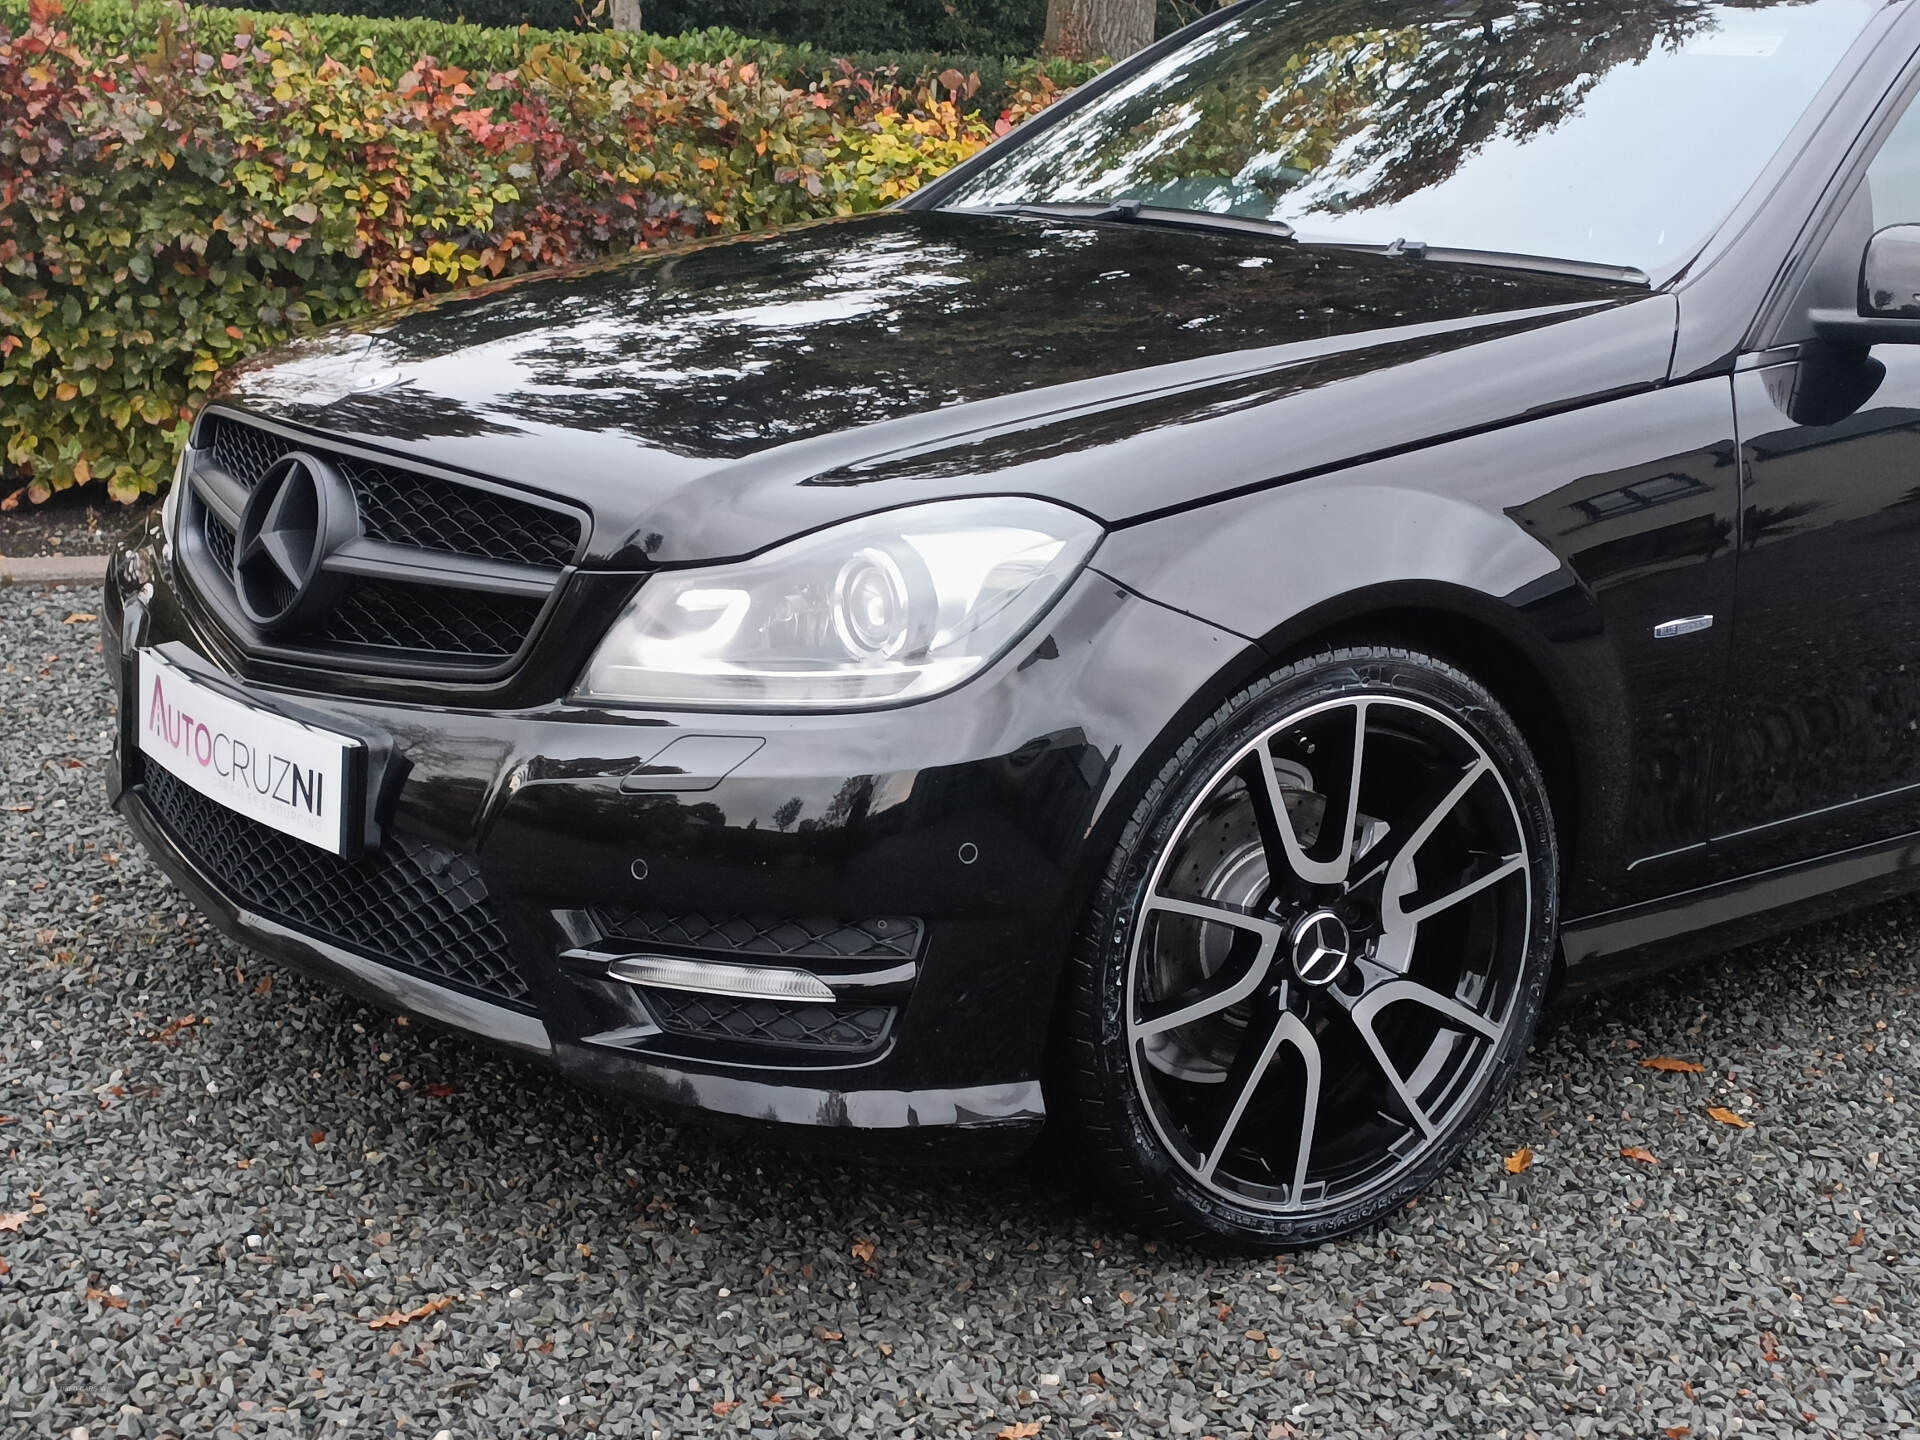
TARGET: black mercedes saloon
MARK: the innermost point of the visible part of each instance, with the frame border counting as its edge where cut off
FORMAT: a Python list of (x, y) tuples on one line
[(1181, 635)]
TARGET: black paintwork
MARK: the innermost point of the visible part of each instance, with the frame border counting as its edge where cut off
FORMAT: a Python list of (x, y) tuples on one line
[(1290, 445)]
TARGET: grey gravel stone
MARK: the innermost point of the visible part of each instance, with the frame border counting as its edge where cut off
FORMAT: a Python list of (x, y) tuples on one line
[(216, 1211)]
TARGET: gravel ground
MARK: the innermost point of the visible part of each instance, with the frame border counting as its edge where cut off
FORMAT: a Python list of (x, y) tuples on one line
[(218, 1177), (74, 522)]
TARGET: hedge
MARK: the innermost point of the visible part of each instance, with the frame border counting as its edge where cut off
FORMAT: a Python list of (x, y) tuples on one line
[(163, 216), (107, 26), (975, 28)]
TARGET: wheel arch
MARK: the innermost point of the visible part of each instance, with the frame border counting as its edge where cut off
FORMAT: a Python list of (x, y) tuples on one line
[(1468, 631)]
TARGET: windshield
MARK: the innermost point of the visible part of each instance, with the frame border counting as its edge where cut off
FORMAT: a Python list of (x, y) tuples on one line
[(1616, 133)]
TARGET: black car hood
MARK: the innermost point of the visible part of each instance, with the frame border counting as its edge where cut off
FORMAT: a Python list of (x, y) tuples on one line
[(709, 401)]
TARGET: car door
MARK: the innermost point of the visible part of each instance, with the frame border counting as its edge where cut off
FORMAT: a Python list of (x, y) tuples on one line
[(1821, 749)]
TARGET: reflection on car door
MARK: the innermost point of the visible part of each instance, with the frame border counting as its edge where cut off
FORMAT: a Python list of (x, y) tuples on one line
[(1822, 743)]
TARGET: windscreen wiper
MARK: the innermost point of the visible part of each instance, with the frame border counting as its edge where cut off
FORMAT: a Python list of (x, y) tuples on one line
[(1493, 259), (1135, 212)]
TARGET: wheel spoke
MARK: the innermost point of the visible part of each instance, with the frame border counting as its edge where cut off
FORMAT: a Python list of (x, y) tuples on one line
[(1394, 992), (1363, 1022), (1364, 1011), (1396, 917), (1398, 847), (1255, 944), (1244, 1082), (1330, 858)]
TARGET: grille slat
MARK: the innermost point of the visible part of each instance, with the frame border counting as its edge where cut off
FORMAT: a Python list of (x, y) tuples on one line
[(411, 905)]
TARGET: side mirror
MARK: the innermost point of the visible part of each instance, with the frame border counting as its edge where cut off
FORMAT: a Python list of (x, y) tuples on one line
[(1889, 304)]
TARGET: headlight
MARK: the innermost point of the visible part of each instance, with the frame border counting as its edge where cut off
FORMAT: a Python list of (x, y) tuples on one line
[(894, 607)]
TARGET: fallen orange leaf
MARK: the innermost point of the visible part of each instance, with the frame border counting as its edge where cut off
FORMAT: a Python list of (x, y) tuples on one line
[(5, 1268), (81, 617), (1674, 1432), (1859, 1237), (1634, 1152), (1728, 1117), (863, 1250), (1025, 1430), (13, 1220), (725, 1407), (113, 1302), (1667, 1062), (394, 1319), (1520, 1160), (168, 1033)]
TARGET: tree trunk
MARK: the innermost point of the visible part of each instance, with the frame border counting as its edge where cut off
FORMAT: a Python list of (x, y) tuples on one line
[(1097, 29), (626, 16)]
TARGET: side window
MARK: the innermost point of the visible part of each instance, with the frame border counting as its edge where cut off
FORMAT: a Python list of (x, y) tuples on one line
[(1893, 180)]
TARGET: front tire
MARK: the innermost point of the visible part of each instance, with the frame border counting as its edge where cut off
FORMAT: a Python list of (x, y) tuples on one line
[(1317, 954)]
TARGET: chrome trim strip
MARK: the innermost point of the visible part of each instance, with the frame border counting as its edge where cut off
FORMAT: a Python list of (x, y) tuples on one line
[(707, 977)]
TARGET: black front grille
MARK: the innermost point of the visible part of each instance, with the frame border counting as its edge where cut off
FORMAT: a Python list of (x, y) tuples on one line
[(839, 1029), (434, 514), (408, 507), (394, 622), (803, 938), (412, 905), (424, 619)]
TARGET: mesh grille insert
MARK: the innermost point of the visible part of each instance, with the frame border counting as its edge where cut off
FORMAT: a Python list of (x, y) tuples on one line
[(422, 619), (842, 1029), (804, 938), (412, 905)]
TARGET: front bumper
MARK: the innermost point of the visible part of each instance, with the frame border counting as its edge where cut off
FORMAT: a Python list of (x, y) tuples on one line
[(928, 863)]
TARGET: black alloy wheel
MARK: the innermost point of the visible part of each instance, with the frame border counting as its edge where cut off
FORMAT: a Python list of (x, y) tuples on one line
[(1317, 954)]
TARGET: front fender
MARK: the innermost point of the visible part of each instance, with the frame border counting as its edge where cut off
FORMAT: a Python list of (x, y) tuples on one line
[(1561, 541)]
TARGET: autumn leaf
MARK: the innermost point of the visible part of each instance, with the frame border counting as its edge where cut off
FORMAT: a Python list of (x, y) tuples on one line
[(821, 1333), (1728, 1117), (1674, 1432), (5, 1268), (13, 1220), (81, 617), (1668, 1063), (170, 1032), (725, 1407), (316, 1137), (113, 1302), (1520, 1160), (863, 1250), (394, 1319), (440, 1092), (1858, 1238), (1025, 1430), (1634, 1152), (1768, 1346)]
